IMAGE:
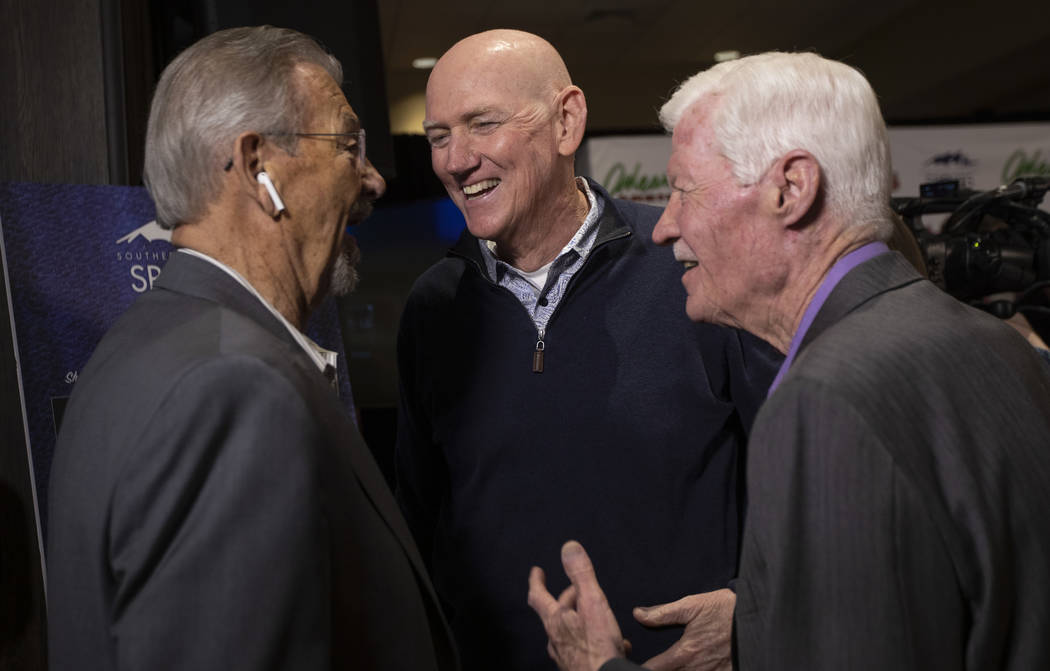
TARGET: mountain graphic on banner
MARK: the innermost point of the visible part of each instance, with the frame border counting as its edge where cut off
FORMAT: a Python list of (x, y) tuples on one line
[(151, 231)]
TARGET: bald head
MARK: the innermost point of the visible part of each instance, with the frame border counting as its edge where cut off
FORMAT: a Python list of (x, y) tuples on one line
[(504, 122), (524, 61)]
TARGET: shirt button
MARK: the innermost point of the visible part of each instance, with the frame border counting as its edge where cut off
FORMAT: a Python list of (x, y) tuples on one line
[(542, 302)]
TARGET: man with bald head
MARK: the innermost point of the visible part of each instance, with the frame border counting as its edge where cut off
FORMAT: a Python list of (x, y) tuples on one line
[(551, 386)]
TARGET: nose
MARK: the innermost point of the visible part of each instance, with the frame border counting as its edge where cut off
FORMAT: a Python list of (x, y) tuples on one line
[(372, 183), (460, 157), (666, 230)]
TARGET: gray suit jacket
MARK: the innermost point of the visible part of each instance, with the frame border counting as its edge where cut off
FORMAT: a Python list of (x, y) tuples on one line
[(213, 507), (899, 490)]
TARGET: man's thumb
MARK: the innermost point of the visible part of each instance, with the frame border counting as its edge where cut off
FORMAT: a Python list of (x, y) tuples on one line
[(663, 615)]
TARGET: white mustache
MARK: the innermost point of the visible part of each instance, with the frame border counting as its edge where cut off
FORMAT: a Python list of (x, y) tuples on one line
[(683, 254)]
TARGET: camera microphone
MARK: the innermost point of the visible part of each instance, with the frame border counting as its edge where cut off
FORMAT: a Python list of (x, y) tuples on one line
[(1025, 189)]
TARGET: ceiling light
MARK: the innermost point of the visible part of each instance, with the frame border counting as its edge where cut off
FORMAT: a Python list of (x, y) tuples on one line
[(424, 63), (728, 55)]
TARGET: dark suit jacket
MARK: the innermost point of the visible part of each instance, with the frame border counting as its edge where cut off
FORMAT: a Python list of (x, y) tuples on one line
[(212, 506), (899, 490)]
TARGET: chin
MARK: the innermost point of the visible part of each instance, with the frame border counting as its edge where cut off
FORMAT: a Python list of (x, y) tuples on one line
[(697, 313), (344, 273), (486, 227)]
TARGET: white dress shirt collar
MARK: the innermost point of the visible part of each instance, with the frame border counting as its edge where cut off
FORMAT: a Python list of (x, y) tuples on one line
[(319, 355)]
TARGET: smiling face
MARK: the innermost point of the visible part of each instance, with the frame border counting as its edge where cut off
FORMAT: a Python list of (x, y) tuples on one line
[(491, 123), (716, 226)]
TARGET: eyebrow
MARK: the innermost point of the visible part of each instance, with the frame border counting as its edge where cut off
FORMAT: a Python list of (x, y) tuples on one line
[(472, 114), (349, 121)]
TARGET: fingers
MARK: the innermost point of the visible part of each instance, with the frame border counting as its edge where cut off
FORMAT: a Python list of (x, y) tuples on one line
[(580, 570), (581, 629), (715, 605), (540, 600), (706, 640), (567, 599), (667, 614)]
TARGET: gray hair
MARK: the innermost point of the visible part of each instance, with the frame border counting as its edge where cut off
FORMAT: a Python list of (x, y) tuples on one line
[(228, 83), (772, 103)]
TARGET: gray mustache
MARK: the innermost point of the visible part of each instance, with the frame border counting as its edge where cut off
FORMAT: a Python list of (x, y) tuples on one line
[(361, 210)]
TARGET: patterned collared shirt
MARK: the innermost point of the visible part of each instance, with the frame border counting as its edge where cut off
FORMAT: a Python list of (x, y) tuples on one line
[(541, 303)]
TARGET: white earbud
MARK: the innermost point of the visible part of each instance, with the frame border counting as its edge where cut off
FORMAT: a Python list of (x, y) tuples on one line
[(265, 180)]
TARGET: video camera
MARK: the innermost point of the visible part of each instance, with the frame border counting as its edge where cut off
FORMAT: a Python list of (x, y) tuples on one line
[(993, 241)]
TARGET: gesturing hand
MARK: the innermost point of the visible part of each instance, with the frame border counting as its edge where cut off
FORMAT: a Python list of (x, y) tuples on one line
[(581, 628), (706, 642)]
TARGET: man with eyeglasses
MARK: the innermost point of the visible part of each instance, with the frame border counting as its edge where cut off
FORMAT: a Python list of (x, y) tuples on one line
[(211, 504)]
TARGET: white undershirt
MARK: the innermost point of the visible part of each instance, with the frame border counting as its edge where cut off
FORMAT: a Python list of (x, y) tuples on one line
[(538, 277)]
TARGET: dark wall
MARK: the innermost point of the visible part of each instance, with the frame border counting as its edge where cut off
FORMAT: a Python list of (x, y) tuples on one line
[(22, 621), (52, 129), (52, 126), (78, 76), (349, 29)]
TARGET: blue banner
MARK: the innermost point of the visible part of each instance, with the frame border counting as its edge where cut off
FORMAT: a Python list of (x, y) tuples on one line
[(77, 257)]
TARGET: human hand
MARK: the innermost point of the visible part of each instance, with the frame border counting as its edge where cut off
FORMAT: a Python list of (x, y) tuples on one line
[(581, 629), (706, 642)]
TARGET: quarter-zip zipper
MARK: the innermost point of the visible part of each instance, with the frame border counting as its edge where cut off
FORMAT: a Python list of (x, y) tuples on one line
[(537, 356), (541, 343)]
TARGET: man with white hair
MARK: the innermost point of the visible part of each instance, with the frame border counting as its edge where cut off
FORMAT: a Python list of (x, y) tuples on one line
[(898, 474), (211, 504)]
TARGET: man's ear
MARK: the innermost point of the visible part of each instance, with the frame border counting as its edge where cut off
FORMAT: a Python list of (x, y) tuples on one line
[(249, 152), (572, 119), (793, 184)]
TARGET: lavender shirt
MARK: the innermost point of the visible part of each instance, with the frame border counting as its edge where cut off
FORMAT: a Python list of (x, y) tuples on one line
[(831, 280)]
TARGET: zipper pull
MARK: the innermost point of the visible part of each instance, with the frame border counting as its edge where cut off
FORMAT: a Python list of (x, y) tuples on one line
[(537, 356)]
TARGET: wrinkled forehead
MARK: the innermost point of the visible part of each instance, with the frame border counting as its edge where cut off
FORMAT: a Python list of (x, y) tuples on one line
[(693, 140), (325, 102), (696, 125)]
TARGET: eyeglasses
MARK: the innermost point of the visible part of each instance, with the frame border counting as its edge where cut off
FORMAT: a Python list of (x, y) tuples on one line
[(357, 149)]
